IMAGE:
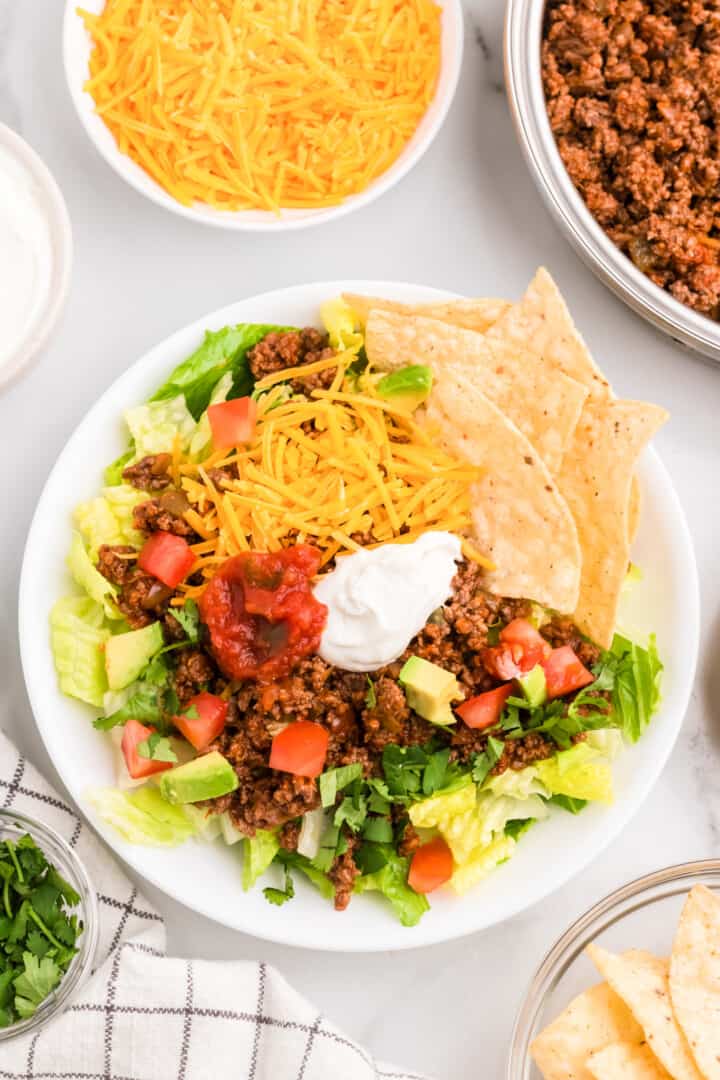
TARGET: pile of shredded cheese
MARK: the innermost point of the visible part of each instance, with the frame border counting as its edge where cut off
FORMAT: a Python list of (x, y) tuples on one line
[(263, 103), (339, 469)]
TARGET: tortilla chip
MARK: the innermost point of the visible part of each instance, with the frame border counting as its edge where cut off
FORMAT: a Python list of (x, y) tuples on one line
[(592, 1021), (634, 509), (478, 315), (546, 410), (695, 978), (541, 324), (626, 1061), (641, 980), (521, 521), (595, 480)]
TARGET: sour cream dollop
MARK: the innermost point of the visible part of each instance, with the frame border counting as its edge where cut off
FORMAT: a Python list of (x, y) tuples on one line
[(25, 255), (379, 600)]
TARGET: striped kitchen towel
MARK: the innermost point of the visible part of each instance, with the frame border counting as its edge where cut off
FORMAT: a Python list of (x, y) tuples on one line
[(146, 1016)]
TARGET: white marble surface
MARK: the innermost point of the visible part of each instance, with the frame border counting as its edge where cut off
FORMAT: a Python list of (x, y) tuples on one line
[(469, 219)]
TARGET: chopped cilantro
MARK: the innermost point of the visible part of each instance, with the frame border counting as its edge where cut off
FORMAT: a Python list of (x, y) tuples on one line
[(156, 748), (335, 780), (378, 830), (484, 763), (189, 618), (38, 934), (280, 896)]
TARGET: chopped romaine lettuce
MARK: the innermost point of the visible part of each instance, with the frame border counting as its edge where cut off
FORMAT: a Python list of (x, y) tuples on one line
[(77, 636), (108, 518), (222, 351), (114, 472), (143, 816), (636, 689), (201, 441), (482, 862), (517, 783), (89, 578), (258, 852), (579, 772), (154, 427), (391, 881)]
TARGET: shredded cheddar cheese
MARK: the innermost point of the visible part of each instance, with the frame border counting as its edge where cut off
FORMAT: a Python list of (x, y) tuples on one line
[(263, 104), (339, 469)]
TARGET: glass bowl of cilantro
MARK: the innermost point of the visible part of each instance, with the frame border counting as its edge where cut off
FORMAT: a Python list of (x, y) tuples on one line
[(48, 924)]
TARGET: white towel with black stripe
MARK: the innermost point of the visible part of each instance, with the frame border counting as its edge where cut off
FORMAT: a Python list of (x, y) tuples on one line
[(146, 1016)]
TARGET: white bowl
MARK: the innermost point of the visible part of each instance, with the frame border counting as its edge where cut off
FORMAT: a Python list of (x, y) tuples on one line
[(76, 52), (206, 877), (48, 197)]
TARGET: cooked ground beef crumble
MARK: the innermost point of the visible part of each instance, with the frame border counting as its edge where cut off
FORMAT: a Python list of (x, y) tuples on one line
[(633, 98)]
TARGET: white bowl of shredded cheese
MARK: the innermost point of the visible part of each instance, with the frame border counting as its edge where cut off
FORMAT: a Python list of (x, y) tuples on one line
[(35, 254), (159, 123)]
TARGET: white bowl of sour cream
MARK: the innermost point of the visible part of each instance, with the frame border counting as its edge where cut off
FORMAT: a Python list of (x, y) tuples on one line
[(35, 254)]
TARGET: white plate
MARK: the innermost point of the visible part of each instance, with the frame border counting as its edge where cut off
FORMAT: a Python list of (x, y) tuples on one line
[(207, 877), (76, 55)]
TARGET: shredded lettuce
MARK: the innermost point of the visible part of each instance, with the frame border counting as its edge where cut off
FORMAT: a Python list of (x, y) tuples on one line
[(114, 472), (579, 772), (89, 578), (143, 816), (222, 352), (154, 427), (636, 689), (107, 519), (77, 636), (482, 862), (258, 852), (201, 441), (391, 881)]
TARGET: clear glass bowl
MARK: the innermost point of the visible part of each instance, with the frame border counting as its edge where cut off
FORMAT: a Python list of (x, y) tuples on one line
[(13, 825), (641, 915)]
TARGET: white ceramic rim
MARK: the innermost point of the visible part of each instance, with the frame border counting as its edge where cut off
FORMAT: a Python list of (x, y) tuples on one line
[(62, 253), (76, 42), (451, 917), (523, 77)]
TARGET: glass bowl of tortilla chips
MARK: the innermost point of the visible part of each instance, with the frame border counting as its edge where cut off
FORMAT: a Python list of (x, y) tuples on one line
[(632, 988)]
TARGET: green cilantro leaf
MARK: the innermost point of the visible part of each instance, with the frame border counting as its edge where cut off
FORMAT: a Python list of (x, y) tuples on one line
[(38, 979), (156, 748), (484, 763), (189, 618), (280, 896)]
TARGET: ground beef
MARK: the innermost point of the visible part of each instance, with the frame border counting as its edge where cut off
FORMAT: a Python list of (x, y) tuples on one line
[(342, 873), (143, 599), (150, 473), (278, 351), (193, 672), (163, 515), (633, 97), (117, 563), (363, 716)]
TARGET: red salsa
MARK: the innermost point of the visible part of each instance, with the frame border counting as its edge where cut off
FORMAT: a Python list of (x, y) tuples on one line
[(261, 612)]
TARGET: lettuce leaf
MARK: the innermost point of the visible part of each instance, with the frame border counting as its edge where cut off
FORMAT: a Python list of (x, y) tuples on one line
[(143, 816), (89, 578), (340, 321), (201, 442), (107, 519), (581, 773), (155, 426), (291, 860), (222, 351), (113, 473), (482, 862), (77, 636), (258, 852), (391, 881), (636, 689)]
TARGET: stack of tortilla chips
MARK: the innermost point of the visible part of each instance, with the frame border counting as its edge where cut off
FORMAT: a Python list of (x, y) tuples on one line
[(516, 392), (652, 1018)]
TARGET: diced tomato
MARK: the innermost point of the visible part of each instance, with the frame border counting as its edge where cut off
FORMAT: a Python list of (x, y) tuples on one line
[(503, 661), (565, 672), (431, 866), (484, 710), (301, 748), (139, 767), (232, 422), (200, 730), (535, 648), (167, 557)]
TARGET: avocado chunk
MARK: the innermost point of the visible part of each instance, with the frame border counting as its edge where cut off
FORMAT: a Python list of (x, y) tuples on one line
[(206, 777), (534, 687), (407, 387), (429, 689), (127, 654)]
